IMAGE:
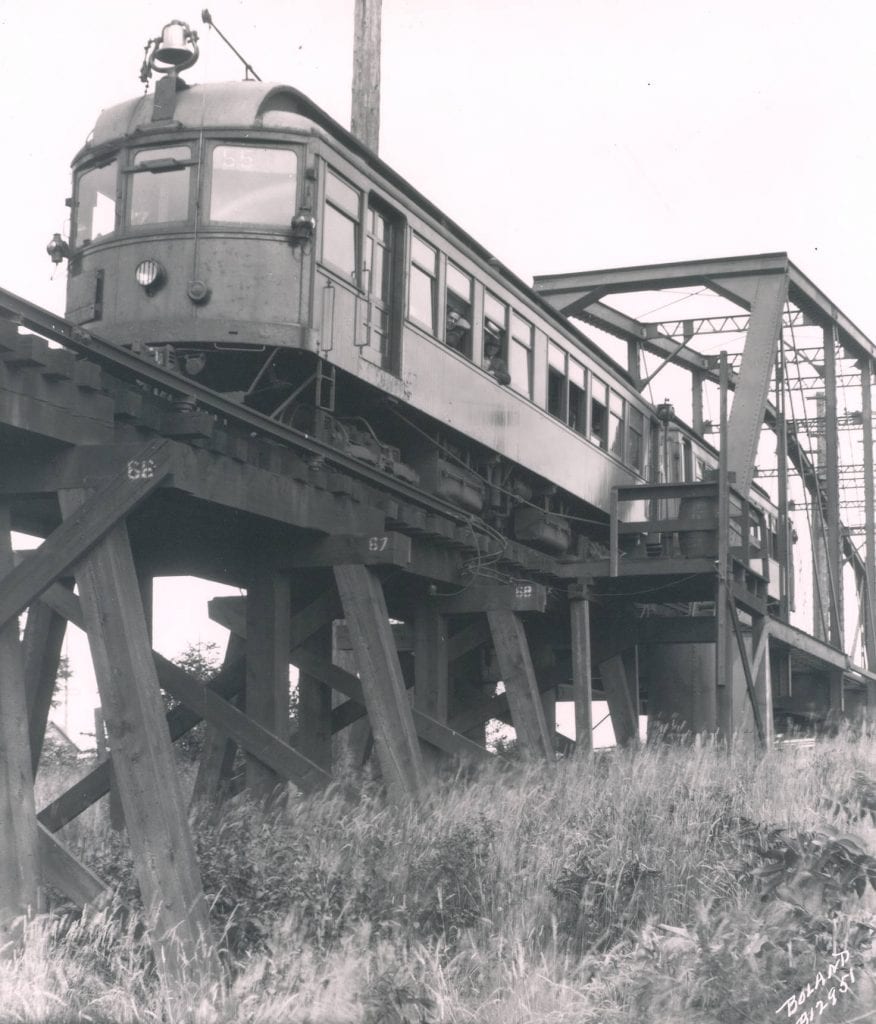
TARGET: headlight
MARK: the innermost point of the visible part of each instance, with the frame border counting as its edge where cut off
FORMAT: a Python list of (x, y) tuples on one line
[(150, 274)]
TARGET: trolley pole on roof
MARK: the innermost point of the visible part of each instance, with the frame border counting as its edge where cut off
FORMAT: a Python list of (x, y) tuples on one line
[(365, 118)]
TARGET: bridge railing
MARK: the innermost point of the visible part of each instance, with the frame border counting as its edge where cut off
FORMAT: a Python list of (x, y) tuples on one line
[(682, 524)]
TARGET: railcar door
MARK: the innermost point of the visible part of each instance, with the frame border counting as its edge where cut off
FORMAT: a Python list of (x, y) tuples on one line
[(383, 240)]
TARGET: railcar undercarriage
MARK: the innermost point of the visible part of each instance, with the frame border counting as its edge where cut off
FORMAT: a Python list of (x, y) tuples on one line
[(308, 393)]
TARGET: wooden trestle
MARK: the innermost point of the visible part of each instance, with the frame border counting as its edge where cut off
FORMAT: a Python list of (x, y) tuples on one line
[(125, 483)]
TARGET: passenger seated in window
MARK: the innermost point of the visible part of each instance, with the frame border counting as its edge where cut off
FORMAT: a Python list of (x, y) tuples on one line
[(457, 331), (493, 361)]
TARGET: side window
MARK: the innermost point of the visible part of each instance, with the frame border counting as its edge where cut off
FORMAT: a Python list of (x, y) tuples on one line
[(422, 299), (577, 397), (95, 210), (253, 185), (340, 232), (556, 398), (495, 322), (160, 184), (520, 355), (616, 425), (636, 439), (599, 412), (457, 326)]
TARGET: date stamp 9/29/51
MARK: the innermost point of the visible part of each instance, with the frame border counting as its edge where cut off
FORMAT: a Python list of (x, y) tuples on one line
[(824, 991)]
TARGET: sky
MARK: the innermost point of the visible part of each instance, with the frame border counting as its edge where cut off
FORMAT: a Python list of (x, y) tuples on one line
[(563, 135)]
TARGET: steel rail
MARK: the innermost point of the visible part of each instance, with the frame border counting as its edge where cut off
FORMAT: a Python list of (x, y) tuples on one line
[(128, 365)]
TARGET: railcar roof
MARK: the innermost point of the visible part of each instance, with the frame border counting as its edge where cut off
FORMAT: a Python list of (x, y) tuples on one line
[(272, 105)]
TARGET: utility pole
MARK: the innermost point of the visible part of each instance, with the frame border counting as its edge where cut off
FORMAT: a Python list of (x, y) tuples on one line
[(365, 119)]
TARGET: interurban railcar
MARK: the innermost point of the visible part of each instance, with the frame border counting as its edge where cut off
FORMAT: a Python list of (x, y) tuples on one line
[(257, 246)]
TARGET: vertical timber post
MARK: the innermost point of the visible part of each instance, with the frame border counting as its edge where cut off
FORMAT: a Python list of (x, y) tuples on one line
[(268, 615), (314, 738), (518, 675), (620, 682), (431, 685), (383, 686), (43, 640), (219, 750), (143, 762), (116, 814), (19, 878), (353, 745), (582, 672), (365, 118)]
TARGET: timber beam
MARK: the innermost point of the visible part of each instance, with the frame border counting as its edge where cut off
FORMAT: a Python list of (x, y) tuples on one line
[(511, 597), (84, 528), (382, 548)]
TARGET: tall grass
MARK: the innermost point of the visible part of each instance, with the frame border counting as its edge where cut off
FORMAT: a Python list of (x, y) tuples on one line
[(666, 884)]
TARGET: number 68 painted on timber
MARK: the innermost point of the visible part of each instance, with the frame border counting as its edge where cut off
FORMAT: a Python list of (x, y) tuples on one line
[(141, 469)]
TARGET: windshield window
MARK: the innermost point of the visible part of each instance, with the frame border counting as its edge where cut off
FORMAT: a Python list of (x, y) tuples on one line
[(253, 185), (96, 204), (160, 186)]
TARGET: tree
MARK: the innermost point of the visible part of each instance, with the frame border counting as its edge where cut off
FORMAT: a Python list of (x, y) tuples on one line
[(201, 660)]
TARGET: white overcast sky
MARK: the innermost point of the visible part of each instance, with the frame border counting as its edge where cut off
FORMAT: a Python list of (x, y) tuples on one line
[(563, 135)]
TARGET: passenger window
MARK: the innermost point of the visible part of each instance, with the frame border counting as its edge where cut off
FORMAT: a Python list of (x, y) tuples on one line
[(495, 322), (340, 233), (616, 425), (556, 381), (577, 397), (423, 284), (598, 412), (253, 185), (95, 204), (520, 356), (636, 439), (160, 180), (457, 326)]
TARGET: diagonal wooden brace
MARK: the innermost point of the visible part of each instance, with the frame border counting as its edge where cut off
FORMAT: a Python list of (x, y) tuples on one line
[(230, 613), (91, 787), (78, 533), (427, 728), (66, 873), (518, 674), (287, 762), (227, 683)]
